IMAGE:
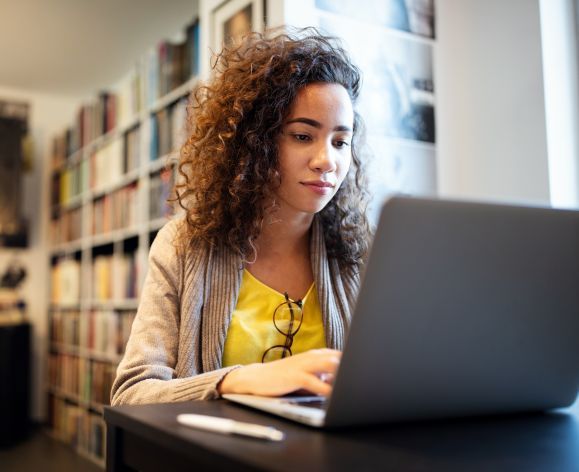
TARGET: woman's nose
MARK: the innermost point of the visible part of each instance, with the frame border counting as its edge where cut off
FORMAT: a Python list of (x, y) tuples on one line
[(323, 159)]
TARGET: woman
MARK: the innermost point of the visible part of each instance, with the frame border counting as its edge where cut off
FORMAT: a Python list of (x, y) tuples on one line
[(253, 290)]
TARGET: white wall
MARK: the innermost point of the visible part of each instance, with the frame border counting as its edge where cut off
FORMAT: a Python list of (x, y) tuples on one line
[(49, 115), (559, 25), (490, 101)]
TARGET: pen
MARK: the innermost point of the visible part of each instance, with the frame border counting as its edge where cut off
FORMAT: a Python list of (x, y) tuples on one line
[(228, 426)]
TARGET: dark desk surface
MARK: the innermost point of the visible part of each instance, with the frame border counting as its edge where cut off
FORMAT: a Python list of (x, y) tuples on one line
[(148, 437)]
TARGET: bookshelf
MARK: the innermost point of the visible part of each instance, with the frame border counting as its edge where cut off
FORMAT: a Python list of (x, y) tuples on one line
[(111, 174)]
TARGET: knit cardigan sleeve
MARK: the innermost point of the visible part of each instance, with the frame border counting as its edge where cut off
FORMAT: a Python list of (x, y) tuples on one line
[(147, 372)]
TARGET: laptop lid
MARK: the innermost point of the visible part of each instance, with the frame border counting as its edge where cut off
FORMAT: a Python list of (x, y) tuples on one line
[(465, 308)]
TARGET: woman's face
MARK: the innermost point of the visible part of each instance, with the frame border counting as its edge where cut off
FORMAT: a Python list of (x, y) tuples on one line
[(315, 148)]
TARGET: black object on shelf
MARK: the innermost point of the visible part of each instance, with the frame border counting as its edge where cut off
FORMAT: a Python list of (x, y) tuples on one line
[(14, 383)]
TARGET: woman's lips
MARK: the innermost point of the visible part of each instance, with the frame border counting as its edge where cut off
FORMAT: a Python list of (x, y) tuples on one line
[(320, 187)]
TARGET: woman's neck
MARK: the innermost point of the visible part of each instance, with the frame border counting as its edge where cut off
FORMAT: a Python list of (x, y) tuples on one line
[(284, 236), (283, 254)]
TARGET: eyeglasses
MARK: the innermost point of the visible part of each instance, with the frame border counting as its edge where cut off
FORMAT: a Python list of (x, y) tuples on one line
[(287, 319)]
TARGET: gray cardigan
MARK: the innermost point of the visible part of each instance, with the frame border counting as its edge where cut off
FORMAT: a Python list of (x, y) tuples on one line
[(176, 344)]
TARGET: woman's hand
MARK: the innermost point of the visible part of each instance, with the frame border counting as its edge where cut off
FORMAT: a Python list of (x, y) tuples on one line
[(300, 372)]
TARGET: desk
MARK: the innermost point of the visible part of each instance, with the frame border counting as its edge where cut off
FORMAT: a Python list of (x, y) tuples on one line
[(148, 437)]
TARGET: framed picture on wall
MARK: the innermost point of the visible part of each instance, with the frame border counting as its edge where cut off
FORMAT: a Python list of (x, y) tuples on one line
[(233, 19), (413, 16)]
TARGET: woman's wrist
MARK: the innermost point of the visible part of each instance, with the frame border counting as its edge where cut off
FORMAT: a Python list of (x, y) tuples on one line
[(233, 382)]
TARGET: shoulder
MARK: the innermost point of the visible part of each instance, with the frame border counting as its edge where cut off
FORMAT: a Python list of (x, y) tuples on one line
[(167, 248), (169, 232), (172, 245), (171, 237)]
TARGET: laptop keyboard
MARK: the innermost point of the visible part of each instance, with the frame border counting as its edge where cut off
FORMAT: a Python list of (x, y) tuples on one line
[(310, 402)]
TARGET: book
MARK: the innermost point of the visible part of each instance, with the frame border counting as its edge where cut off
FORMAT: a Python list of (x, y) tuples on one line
[(107, 163), (160, 190), (65, 282), (153, 72), (115, 277), (192, 49), (132, 149)]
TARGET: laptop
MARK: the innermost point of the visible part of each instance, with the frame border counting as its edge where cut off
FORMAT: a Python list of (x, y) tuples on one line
[(464, 309)]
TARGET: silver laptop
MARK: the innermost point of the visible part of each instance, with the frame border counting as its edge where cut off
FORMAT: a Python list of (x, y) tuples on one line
[(464, 309)]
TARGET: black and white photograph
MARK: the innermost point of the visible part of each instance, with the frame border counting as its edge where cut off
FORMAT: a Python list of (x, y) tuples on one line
[(397, 98), (413, 16)]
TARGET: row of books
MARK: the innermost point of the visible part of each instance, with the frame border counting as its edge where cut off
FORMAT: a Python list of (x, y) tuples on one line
[(162, 69), (63, 372), (106, 164), (64, 328), (115, 277), (109, 163), (107, 331), (168, 129), (81, 378), (66, 226), (97, 118), (65, 282), (93, 119), (160, 190), (172, 63), (98, 331), (100, 377), (84, 430), (130, 92), (117, 210), (69, 183)]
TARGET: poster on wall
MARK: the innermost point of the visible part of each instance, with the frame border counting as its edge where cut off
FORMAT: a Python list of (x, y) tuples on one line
[(397, 100), (413, 16), (397, 97)]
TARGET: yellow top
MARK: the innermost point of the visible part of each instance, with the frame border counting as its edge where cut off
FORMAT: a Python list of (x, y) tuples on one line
[(251, 330)]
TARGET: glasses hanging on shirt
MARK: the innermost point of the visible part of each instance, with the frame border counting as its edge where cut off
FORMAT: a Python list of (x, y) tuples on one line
[(287, 319)]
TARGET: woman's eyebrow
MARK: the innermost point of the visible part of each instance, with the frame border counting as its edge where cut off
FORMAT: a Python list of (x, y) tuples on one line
[(317, 124)]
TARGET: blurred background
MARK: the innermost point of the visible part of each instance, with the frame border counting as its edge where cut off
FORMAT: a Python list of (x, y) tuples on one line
[(461, 99)]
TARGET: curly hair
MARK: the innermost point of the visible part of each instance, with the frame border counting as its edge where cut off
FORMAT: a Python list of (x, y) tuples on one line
[(229, 164)]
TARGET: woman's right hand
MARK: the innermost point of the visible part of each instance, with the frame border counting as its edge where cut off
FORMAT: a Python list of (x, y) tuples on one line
[(300, 372)]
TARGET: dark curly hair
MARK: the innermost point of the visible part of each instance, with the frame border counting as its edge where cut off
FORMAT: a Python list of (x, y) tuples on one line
[(229, 164)]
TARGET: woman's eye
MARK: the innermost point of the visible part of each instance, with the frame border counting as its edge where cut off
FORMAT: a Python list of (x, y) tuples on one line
[(301, 137), (341, 144)]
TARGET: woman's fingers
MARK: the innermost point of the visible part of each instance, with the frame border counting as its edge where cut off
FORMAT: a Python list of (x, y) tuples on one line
[(318, 387), (326, 361)]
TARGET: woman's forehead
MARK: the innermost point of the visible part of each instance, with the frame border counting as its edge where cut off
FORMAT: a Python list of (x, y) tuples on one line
[(323, 101)]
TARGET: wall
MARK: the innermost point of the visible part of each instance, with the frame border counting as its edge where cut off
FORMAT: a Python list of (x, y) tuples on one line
[(49, 114), (490, 101), (559, 27)]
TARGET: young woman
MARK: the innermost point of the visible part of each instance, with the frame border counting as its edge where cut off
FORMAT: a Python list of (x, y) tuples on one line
[(252, 291)]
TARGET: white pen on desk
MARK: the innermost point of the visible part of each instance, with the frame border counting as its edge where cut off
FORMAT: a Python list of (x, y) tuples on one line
[(228, 426)]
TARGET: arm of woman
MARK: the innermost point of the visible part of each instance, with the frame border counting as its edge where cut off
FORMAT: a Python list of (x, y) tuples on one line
[(148, 372)]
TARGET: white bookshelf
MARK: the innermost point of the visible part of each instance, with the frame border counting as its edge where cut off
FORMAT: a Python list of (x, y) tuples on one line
[(77, 359)]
